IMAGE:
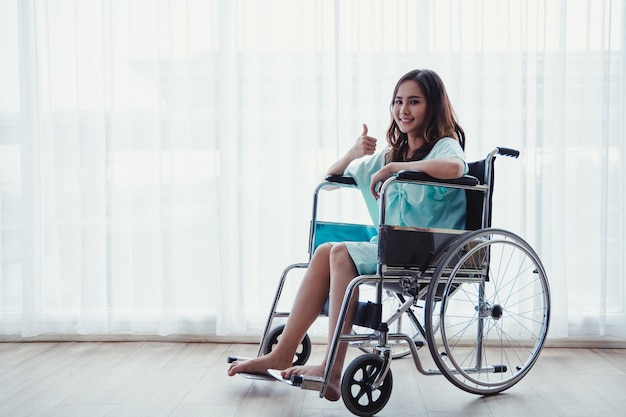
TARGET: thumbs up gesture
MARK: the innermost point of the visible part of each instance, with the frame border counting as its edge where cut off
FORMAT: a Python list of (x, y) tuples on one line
[(365, 145)]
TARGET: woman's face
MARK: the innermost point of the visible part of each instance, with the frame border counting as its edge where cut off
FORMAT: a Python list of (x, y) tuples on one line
[(409, 108)]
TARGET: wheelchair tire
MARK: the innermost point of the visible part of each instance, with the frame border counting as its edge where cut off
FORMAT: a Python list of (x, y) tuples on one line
[(357, 391), (487, 311), (301, 355)]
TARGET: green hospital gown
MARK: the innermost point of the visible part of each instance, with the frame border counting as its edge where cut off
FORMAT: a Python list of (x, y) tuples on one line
[(407, 205)]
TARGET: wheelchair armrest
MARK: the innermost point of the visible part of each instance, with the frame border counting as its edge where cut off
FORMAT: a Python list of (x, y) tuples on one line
[(422, 176), (340, 179), (412, 176)]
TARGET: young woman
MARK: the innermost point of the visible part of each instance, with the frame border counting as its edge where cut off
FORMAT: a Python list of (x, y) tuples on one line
[(424, 135)]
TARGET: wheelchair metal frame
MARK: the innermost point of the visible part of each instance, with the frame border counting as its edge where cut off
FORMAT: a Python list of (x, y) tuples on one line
[(465, 263)]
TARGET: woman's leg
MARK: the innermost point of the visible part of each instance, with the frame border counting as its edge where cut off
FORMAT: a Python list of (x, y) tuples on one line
[(307, 306), (342, 271)]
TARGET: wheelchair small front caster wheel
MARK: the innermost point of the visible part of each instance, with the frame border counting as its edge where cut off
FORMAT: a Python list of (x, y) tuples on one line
[(357, 385), (301, 355)]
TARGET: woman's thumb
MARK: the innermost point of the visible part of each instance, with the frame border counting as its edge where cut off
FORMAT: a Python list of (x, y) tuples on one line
[(364, 130)]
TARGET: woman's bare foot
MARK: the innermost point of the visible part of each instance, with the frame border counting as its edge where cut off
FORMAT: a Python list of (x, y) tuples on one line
[(333, 389), (260, 365)]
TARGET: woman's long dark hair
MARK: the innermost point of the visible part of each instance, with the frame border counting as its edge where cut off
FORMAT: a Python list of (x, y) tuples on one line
[(440, 119)]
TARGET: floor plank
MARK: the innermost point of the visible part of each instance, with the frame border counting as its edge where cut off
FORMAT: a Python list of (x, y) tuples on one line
[(105, 379)]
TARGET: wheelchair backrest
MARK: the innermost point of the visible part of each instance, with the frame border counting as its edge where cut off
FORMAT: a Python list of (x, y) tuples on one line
[(478, 201), (341, 232)]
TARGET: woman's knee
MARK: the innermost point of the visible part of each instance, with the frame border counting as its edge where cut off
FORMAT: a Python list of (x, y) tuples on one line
[(339, 250), (323, 251), (340, 256), (321, 257)]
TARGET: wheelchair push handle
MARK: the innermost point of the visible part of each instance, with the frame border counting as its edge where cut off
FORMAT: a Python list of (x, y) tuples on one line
[(514, 153)]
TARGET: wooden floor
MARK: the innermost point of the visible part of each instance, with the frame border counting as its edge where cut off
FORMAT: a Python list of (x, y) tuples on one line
[(189, 379)]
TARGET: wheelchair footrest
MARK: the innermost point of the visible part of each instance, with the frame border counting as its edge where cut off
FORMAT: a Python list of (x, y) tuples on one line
[(259, 377), (308, 382)]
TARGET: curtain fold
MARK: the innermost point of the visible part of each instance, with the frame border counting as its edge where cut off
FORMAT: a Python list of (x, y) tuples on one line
[(158, 158)]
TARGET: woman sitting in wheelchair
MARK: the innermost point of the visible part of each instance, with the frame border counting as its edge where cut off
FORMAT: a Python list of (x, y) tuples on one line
[(423, 135)]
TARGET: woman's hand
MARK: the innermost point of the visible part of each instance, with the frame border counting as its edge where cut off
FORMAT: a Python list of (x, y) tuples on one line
[(365, 145), (380, 177)]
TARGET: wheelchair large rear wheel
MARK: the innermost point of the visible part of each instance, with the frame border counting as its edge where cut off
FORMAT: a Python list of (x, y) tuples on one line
[(487, 311)]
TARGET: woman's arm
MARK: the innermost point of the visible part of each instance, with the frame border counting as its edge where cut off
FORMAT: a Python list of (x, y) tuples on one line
[(442, 168)]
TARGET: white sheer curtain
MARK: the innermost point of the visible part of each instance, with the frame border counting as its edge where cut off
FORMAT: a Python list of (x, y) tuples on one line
[(157, 158)]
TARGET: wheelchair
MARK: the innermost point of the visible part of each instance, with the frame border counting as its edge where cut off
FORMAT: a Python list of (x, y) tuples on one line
[(478, 299)]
